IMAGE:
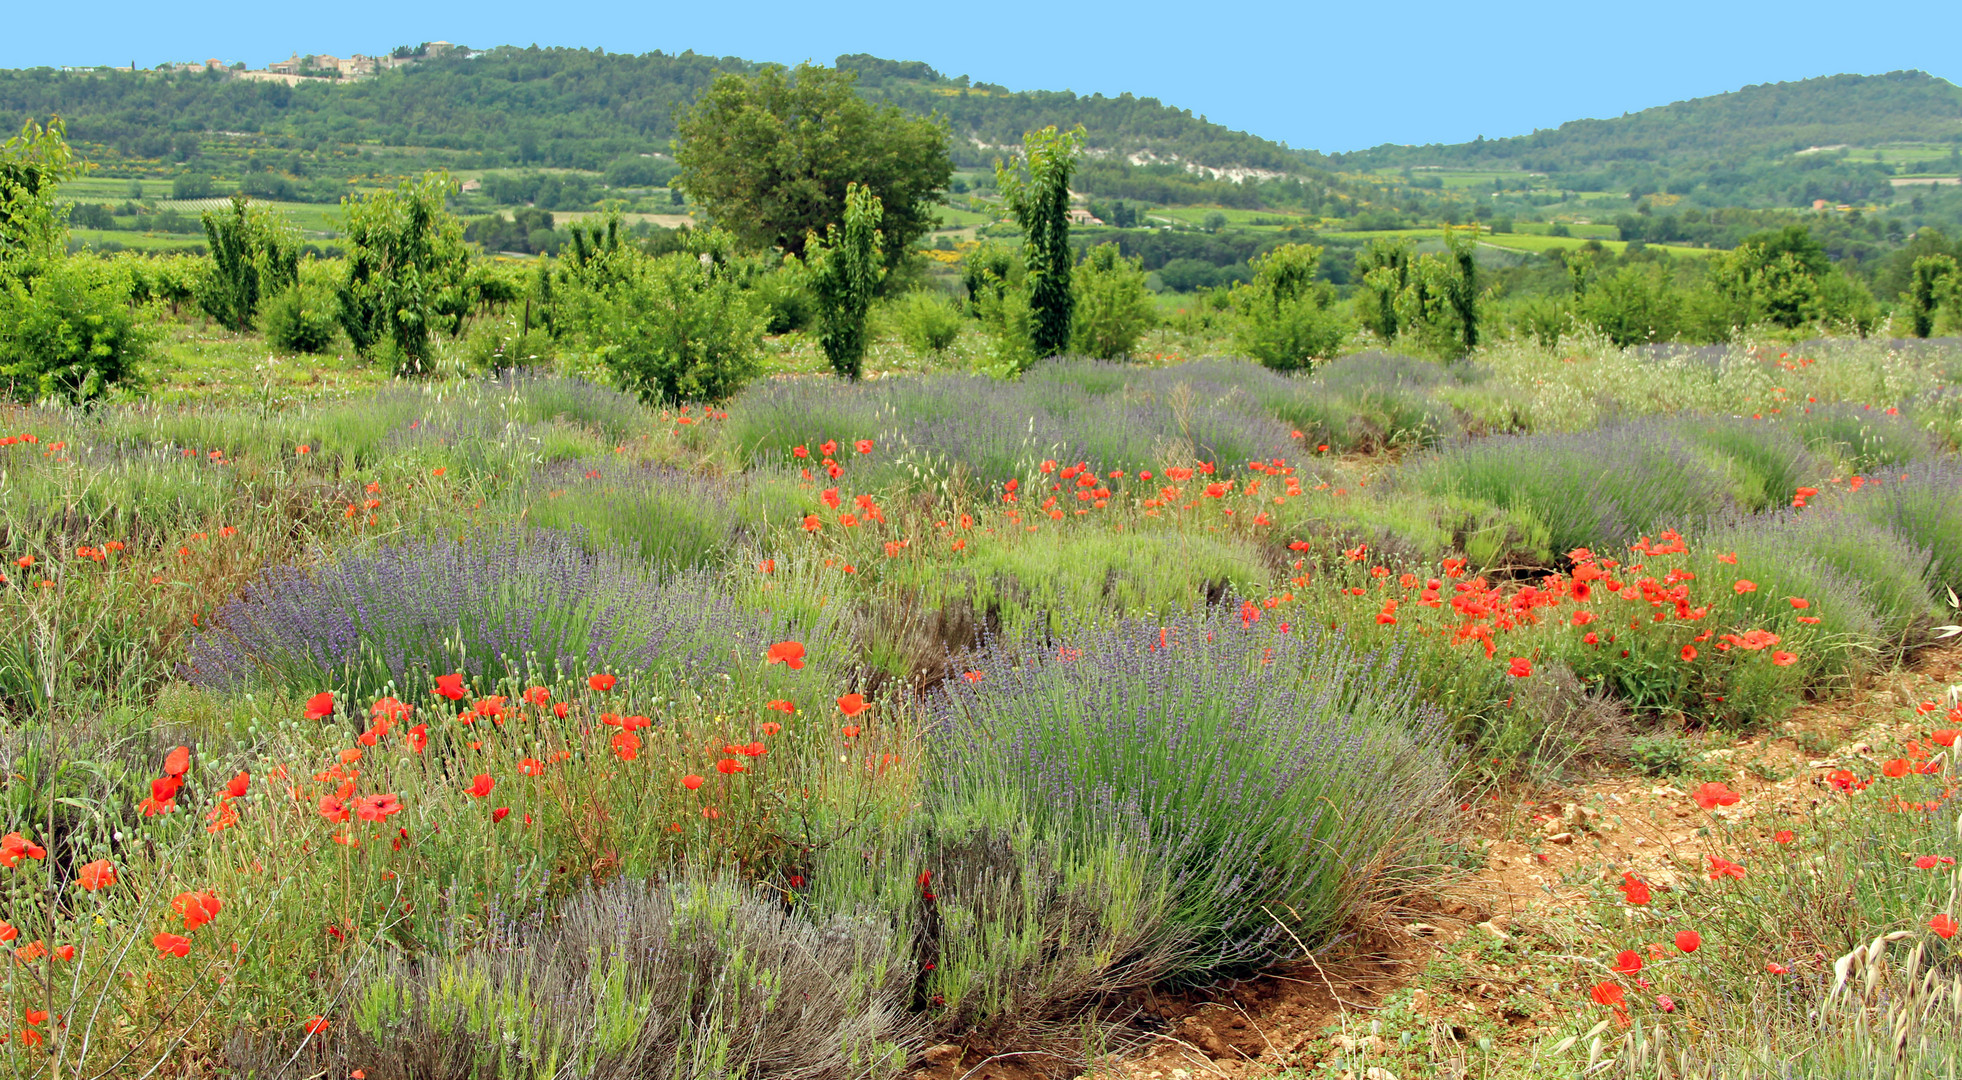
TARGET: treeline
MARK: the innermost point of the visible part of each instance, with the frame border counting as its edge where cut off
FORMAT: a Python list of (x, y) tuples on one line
[(1169, 184), (559, 108), (995, 116)]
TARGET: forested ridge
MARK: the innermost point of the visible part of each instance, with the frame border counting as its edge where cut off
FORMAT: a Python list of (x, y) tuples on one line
[(571, 108), (1725, 144)]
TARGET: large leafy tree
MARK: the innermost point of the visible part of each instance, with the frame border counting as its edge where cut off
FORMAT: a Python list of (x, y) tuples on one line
[(770, 157)]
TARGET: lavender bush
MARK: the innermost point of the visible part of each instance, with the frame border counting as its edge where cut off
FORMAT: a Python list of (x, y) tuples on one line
[(1245, 786), (1601, 489), (1922, 504), (493, 605), (1109, 415), (668, 517)]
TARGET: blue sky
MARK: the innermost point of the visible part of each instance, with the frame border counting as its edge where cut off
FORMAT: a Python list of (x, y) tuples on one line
[(1322, 75)]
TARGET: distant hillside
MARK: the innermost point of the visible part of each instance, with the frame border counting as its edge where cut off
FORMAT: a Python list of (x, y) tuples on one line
[(1727, 144), (571, 108)]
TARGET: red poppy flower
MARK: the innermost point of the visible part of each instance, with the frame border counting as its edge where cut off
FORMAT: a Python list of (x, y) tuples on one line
[(537, 695), (237, 785), (319, 706), (480, 786), (1784, 659), (1628, 962), (317, 1025), (450, 686), (691, 781), (1895, 768), (1943, 925), (1689, 940), (377, 807), (767, 566), (1520, 667), (500, 814), (1606, 994), (1777, 968), (788, 653), (531, 766), (781, 706), (332, 809), (626, 745), (1743, 586), (1721, 868), (97, 875), (562, 710), (853, 704), (849, 731), (863, 446), (1799, 602), (14, 847), (771, 727), (730, 767), (66, 952), (1634, 889), (1783, 836), (1714, 794), (197, 908), (169, 944), (602, 682), (178, 762), (1689, 653)]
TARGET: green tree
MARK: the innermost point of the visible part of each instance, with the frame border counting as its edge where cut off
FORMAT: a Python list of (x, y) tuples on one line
[(1283, 318), (33, 226), (1112, 309), (254, 255), (1461, 290), (845, 269), (1037, 192), (1934, 282), (1383, 267), (771, 157), (676, 327), (1634, 305), (406, 270)]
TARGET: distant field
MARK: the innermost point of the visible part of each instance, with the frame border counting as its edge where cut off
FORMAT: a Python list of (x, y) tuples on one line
[(1512, 241), (137, 241), (1196, 215)]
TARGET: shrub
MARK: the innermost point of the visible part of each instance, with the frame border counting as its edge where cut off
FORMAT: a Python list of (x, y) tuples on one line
[(1248, 786), (491, 605), (68, 333), (674, 328), (927, 322), (1284, 317), (407, 272), (299, 320), (255, 254), (1112, 308), (1659, 755), (675, 979)]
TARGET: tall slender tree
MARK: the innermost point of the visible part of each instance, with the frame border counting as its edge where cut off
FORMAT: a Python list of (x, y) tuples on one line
[(1037, 191), (846, 267), (1935, 276)]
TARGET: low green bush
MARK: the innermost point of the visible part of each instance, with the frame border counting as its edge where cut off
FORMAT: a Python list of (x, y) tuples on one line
[(68, 333), (927, 322)]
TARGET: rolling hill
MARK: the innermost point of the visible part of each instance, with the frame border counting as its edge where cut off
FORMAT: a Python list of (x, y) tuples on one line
[(1757, 145), (568, 108)]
